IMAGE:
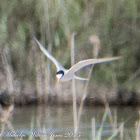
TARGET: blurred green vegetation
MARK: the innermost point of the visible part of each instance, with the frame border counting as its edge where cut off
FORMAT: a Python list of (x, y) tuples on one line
[(116, 23)]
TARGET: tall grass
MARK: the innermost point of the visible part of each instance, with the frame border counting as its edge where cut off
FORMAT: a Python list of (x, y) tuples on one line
[(93, 126), (8, 72), (5, 119), (96, 46), (53, 22), (75, 117)]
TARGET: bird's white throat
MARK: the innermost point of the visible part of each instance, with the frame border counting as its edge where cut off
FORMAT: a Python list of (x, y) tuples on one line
[(59, 76)]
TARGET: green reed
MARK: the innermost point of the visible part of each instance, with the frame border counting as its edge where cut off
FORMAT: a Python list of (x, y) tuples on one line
[(53, 22)]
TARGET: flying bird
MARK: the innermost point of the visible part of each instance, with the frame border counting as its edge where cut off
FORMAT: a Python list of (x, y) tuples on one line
[(63, 74)]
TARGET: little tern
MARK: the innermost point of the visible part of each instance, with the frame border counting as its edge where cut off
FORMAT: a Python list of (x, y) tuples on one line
[(68, 74)]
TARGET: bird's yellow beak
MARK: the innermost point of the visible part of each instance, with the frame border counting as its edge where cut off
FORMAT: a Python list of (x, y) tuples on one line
[(58, 80)]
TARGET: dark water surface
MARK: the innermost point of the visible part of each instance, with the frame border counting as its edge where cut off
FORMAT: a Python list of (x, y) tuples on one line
[(55, 122)]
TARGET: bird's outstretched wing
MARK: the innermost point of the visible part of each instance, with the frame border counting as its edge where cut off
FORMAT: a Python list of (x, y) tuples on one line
[(80, 78), (58, 65), (87, 62)]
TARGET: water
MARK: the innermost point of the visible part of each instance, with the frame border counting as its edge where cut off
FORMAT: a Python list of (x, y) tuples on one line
[(55, 122)]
